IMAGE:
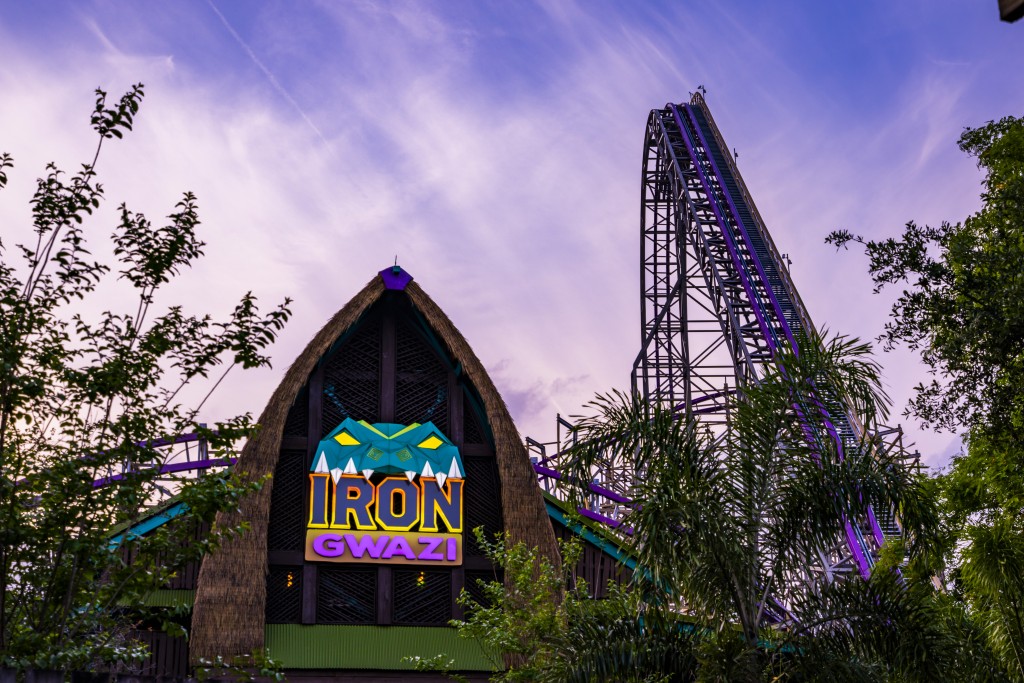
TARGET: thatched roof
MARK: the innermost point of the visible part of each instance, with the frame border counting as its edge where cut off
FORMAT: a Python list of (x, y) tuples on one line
[(228, 617)]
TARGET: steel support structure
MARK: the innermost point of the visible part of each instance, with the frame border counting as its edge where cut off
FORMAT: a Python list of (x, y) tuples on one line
[(717, 302)]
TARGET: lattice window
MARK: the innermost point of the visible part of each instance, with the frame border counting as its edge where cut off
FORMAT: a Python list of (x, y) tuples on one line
[(472, 432), (482, 500), (284, 595), (287, 513), (422, 597), (346, 596), (473, 586), (297, 422), (421, 383), (352, 379)]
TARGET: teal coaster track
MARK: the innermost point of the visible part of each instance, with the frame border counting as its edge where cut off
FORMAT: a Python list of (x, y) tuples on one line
[(717, 301)]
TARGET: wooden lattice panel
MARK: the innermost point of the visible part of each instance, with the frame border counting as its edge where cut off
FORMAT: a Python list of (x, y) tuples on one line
[(422, 597), (284, 595), (473, 587), (346, 596), (472, 432), (287, 512), (482, 501), (351, 386), (297, 422), (421, 381)]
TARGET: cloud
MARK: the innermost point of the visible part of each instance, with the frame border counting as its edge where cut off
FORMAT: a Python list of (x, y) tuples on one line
[(268, 73), (496, 150)]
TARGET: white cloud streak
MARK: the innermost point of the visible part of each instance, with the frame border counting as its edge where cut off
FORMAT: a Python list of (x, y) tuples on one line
[(269, 74), (499, 157)]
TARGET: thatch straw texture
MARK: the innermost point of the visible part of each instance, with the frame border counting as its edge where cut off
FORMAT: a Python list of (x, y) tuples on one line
[(228, 615), (526, 518)]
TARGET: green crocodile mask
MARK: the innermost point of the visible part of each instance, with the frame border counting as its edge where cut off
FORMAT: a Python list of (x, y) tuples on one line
[(384, 448)]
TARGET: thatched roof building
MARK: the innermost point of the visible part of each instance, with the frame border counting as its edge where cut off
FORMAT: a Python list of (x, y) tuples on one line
[(384, 425), (389, 355)]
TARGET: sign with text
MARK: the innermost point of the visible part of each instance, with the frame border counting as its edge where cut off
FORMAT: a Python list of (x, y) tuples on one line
[(386, 493)]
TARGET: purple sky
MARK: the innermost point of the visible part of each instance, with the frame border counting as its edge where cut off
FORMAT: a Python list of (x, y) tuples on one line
[(495, 148)]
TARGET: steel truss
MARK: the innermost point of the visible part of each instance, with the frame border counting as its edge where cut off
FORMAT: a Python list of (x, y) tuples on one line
[(717, 303)]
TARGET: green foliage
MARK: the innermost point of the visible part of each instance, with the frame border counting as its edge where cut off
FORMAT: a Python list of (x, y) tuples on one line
[(256, 666), (82, 394), (437, 664), (886, 628), (521, 617), (992, 576), (962, 308), (963, 302), (722, 526), (537, 629)]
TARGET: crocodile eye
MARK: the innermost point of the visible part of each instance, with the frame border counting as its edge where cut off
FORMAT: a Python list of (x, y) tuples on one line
[(346, 439), (431, 443)]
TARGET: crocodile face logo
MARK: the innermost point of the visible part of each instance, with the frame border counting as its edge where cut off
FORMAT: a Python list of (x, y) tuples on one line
[(389, 449), (386, 493)]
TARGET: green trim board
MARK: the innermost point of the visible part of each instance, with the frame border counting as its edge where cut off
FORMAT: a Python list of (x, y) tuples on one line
[(322, 646), (589, 531)]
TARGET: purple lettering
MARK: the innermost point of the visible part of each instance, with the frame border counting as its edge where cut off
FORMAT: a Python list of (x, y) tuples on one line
[(399, 546), (429, 553), (366, 544), (451, 550), (329, 545)]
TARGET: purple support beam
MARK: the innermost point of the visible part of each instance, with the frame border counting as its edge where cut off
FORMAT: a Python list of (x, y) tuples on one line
[(169, 469), (599, 490), (724, 227), (607, 521), (593, 488), (743, 232), (856, 544)]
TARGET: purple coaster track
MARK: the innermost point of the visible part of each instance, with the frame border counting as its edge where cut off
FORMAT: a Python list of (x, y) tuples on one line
[(708, 263)]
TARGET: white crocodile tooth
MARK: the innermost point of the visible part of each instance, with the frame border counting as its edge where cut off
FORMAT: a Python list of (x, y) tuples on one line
[(410, 474), (441, 476), (427, 472), (321, 464), (350, 467), (336, 474), (367, 474), (453, 471)]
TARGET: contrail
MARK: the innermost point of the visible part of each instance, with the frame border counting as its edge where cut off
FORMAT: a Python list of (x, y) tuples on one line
[(270, 77)]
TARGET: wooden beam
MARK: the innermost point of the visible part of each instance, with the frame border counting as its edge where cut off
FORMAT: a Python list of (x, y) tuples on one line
[(1011, 10)]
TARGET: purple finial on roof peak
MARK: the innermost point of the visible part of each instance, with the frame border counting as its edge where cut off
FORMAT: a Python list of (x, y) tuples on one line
[(395, 278)]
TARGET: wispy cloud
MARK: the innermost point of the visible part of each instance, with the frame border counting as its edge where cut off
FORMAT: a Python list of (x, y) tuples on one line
[(496, 150), (269, 74)]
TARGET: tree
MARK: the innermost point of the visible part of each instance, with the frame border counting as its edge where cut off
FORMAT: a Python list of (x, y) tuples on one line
[(84, 395), (962, 308), (539, 624), (724, 529)]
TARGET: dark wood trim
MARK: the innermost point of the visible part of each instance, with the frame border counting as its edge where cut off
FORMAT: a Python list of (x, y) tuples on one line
[(315, 396), (316, 400), (295, 557), (385, 598), (388, 367), (476, 563), (294, 443), (477, 450), (309, 588), (1011, 10), (455, 424), (458, 581)]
